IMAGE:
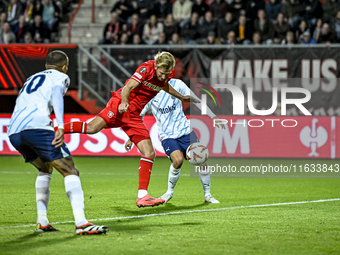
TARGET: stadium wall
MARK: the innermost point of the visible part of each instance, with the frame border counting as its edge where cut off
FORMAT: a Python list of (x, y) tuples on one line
[(263, 137)]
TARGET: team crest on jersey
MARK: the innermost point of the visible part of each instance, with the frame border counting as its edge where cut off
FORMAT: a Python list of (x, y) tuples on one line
[(110, 114), (142, 70), (66, 83)]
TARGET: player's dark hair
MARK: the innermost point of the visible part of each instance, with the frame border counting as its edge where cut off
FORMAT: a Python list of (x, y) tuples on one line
[(56, 58)]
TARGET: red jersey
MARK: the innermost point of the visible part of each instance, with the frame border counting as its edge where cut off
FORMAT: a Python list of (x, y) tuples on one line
[(148, 86)]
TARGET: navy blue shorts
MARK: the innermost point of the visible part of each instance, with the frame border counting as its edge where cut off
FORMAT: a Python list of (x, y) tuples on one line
[(38, 143), (181, 144)]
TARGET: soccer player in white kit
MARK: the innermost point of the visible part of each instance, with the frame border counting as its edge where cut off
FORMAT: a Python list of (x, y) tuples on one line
[(31, 132), (176, 135)]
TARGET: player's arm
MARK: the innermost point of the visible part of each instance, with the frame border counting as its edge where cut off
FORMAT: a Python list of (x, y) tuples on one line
[(209, 112), (216, 120), (186, 91), (145, 109), (169, 89), (58, 107), (124, 105)]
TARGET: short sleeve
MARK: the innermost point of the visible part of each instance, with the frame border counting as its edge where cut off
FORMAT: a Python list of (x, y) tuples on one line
[(141, 73), (62, 80), (146, 109), (66, 82), (185, 90)]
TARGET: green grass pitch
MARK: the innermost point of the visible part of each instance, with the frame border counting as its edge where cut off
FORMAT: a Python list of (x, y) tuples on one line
[(183, 226)]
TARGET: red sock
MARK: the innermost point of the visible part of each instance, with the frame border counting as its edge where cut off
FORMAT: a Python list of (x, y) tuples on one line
[(145, 168), (75, 127)]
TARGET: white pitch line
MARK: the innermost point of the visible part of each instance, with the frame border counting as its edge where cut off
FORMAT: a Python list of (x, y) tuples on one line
[(192, 211)]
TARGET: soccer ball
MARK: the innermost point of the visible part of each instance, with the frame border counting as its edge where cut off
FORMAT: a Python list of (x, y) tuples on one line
[(197, 154)]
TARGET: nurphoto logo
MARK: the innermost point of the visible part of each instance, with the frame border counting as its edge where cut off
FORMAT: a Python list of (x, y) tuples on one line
[(239, 104)]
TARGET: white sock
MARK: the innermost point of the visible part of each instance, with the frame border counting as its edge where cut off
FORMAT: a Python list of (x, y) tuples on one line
[(142, 193), (76, 196), (204, 175), (173, 178), (42, 185)]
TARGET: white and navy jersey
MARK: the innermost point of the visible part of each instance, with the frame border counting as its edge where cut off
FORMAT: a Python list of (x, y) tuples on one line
[(41, 93), (168, 111)]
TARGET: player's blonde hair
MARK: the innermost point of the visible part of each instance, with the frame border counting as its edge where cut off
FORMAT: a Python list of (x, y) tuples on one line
[(165, 60)]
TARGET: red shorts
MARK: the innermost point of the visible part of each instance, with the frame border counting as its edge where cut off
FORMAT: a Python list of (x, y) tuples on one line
[(132, 124)]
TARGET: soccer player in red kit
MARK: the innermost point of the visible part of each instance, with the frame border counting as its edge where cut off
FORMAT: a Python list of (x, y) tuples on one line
[(124, 108)]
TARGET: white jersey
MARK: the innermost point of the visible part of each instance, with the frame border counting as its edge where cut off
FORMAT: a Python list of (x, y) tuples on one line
[(168, 111), (41, 93)]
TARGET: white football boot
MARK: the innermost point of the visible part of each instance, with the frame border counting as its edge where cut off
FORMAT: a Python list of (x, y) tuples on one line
[(210, 199), (167, 196)]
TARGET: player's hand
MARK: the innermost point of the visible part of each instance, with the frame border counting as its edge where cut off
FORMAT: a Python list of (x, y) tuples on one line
[(58, 138), (123, 107), (218, 123), (128, 145), (189, 99)]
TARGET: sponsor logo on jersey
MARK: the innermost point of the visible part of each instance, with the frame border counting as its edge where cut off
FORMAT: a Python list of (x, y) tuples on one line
[(167, 109), (152, 86), (110, 114), (142, 70), (137, 75)]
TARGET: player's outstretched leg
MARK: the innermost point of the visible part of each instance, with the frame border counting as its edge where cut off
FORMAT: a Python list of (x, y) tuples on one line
[(204, 175), (93, 127), (76, 196), (42, 187), (145, 168)]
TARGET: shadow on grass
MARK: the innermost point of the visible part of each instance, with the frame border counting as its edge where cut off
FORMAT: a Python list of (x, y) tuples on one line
[(170, 207), (166, 208), (138, 215), (124, 217), (36, 240), (129, 226)]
